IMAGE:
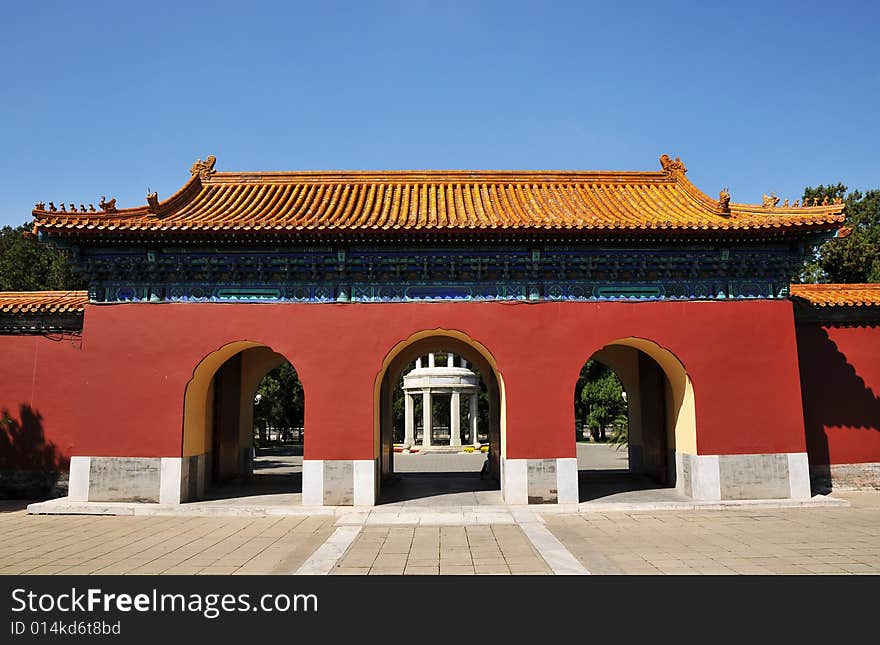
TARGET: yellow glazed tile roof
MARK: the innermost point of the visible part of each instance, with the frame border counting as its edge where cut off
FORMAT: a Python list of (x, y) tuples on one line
[(838, 295), (440, 201), (23, 302)]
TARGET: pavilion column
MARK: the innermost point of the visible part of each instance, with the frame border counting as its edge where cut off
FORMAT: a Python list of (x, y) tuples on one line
[(431, 361), (455, 419), (427, 418), (409, 438), (472, 418)]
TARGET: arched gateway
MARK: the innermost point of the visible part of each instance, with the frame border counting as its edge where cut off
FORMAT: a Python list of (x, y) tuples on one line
[(352, 275)]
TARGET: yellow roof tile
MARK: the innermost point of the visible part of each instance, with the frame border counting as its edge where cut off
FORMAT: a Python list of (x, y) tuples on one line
[(441, 200), (22, 302), (838, 295)]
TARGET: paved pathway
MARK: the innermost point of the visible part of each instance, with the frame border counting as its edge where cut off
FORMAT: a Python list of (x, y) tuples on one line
[(84, 544), (837, 540), (487, 540)]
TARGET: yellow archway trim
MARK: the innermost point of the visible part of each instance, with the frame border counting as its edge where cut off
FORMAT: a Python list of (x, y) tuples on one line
[(437, 333), (685, 419), (196, 430)]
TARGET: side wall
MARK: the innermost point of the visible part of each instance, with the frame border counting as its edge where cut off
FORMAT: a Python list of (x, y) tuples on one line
[(40, 412), (840, 377)]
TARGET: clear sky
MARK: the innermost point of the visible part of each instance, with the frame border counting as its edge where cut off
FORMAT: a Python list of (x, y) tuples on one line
[(110, 98)]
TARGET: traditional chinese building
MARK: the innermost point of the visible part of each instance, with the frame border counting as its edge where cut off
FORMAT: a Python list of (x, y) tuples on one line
[(145, 382)]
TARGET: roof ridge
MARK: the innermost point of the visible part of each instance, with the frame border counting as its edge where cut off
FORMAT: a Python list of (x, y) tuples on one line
[(239, 200)]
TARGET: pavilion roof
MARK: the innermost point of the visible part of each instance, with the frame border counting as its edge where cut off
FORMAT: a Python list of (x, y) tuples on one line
[(440, 201), (26, 302), (838, 295)]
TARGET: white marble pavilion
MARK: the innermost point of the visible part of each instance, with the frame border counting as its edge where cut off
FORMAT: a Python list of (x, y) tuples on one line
[(440, 380)]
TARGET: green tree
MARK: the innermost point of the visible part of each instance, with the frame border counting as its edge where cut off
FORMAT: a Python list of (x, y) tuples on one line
[(599, 403), (29, 265), (279, 402), (854, 257)]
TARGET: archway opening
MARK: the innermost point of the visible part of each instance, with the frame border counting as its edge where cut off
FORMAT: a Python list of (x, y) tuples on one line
[(278, 427), (439, 434), (634, 414), (243, 427)]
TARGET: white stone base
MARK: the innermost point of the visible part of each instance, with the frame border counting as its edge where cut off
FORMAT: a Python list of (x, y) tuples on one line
[(78, 483), (539, 481), (706, 477), (515, 480), (365, 473), (567, 479), (339, 482), (313, 482), (799, 475), (171, 480)]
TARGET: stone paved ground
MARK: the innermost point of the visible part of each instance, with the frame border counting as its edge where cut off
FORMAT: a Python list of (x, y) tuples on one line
[(735, 540), (748, 541), (83, 544), (457, 550)]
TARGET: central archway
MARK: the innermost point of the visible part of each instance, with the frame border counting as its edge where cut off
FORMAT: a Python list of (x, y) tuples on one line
[(424, 343)]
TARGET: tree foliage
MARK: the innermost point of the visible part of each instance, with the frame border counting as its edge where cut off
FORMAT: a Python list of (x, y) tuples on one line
[(279, 403), (599, 403), (29, 265), (854, 257)]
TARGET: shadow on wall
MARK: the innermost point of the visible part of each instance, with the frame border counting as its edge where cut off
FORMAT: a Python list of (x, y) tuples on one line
[(833, 395), (30, 466)]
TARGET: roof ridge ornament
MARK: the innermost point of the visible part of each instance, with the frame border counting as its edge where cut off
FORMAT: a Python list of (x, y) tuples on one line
[(724, 201), (769, 201), (671, 165), (107, 207), (152, 202), (204, 169)]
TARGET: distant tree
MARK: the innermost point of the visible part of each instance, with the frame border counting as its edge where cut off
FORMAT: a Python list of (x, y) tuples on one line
[(29, 265), (279, 402), (854, 257), (599, 402)]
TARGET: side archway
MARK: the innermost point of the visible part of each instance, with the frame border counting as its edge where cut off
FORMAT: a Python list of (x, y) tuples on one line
[(218, 416), (661, 414)]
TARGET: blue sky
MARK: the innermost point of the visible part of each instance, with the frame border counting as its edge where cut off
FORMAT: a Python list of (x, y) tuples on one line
[(110, 98)]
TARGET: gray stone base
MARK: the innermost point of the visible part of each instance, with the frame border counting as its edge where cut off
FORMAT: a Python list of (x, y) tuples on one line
[(740, 477), (129, 479), (825, 478), (539, 481), (339, 482)]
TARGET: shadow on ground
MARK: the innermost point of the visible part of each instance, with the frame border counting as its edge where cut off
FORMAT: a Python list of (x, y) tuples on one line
[(15, 505), (403, 487), (597, 484), (257, 486)]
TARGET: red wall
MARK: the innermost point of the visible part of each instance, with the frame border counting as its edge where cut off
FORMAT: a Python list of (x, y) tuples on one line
[(840, 374), (122, 392), (40, 406)]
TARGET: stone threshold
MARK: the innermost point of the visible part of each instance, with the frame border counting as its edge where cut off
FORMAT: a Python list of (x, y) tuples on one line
[(422, 514)]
